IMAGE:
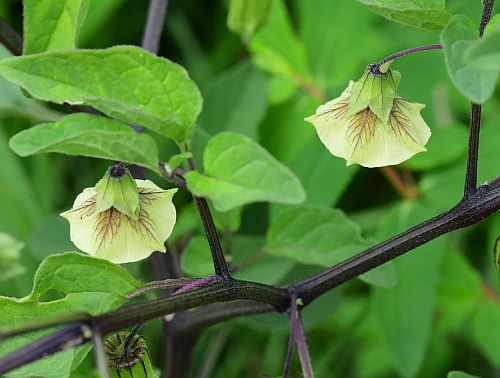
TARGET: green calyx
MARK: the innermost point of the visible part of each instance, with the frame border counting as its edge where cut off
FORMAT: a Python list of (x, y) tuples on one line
[(119, 190), (376, 90)]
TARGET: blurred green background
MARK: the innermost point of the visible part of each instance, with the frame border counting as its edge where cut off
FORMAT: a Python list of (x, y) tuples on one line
[(442, 314)]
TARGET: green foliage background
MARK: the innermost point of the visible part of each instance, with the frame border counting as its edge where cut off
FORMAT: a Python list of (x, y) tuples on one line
[(432, 311)]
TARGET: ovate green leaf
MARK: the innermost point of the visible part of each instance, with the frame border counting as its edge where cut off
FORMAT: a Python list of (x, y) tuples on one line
[(460, 374), (196, 259), (484, 54), (425, 14), (86, 284), (485, 327), (447, 145), (276, 48), (456, 37), (52, 25), (88, 135), (124, 82), (316, 235), (239, 171)]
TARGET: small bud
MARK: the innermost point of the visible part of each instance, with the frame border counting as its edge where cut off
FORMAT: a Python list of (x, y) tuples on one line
[(118, 189)]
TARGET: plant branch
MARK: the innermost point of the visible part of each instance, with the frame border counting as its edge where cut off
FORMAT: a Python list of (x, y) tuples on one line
[(154, 25), (10, 38), (292, 314), (220, 265), (218, 312), (160, 285), (485, 18), (305, 359), (172, 177), (474, 207), (472, 156), (62, 339), (404, 189), (407, 52), (475, 118), (100, 358)]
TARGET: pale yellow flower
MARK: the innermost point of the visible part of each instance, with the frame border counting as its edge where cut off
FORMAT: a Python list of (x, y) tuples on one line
[(111, 234), (370, 125)]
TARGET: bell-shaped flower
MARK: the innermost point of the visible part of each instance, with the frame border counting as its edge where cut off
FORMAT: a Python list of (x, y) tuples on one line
[(369, 124), (121, 219)]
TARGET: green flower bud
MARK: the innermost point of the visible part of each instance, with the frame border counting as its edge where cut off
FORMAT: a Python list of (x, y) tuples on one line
[(118, 189)]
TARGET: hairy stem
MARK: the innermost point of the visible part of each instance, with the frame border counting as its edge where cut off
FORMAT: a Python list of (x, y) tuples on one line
[(407, 52), (485, 18)]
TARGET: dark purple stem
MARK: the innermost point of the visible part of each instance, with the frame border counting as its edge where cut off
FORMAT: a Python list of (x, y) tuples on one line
[(292, 315), (475, 119), (220, 264), (198, 283), (409, 51), (305, 359)]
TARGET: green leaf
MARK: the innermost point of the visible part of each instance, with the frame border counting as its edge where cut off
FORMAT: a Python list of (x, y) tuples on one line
[(175, 161), (246, 16), (315, 20), (306, 156), (447, 145), (460, 374), (320, 236), (459, 294), (484, 54), (123, 82), (88, 135), (196, 259), (10, 251), (235, 101), (239, 171), (486, 327), (87, 285), (405, 312), (52, 25), (425, 14), (275, 47), (456, 37)]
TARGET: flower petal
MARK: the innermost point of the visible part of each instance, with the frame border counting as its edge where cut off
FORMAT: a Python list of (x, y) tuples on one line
[(364, 139), (114, 236)]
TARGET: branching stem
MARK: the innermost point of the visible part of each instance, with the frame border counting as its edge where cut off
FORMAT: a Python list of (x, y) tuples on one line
[(475, 118)]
